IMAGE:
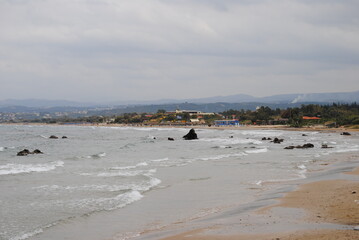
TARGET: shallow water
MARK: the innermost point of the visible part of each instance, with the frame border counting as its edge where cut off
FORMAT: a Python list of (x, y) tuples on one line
[(113, 182)]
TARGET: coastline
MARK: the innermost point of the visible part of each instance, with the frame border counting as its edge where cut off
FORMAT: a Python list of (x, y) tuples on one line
[(326, 209), (318, 128)]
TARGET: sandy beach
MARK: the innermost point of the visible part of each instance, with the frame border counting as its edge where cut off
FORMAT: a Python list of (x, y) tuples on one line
[(324, 203)]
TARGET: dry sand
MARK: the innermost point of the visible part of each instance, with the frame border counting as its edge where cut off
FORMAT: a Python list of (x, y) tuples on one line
[(332, 201)]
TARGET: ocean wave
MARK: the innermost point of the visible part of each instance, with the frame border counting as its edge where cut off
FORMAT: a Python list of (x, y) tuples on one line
[(142, 186), (97, 156), (122, 173), (13, 168), (142, 164), (160, 160), (218, 157), (28, 234), (231, 141), (260, 150), (2, 149), (264, 133)]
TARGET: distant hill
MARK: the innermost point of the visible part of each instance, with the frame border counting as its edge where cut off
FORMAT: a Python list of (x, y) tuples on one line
[(247, 101)]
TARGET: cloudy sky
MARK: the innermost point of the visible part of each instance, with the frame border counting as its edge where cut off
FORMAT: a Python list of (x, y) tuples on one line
[(109, 50)]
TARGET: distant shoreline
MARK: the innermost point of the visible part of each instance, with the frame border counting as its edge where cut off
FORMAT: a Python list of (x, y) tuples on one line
[(318, 128)]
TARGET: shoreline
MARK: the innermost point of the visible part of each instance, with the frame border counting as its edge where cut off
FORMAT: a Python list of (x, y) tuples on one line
[(247, 127), (325, 209)]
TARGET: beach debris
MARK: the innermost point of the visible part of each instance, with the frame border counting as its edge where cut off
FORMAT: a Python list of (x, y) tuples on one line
[(26, 152), (277, 140), (171, 139), (304, 146), (53, 137), (190, 135), (345, 133)]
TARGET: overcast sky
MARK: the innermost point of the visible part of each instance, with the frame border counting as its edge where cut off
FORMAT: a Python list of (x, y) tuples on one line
[(109, 50)]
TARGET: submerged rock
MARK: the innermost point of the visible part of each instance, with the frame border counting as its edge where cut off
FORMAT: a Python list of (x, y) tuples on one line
[(190, 135), (325, 146), (26, 152), (23, 152), (37, 151), (277, 140), (307, 145)]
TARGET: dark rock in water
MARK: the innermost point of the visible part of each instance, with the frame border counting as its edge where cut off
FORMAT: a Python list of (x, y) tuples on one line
[(23, 152), (53, 137), (345, 134), (230, 136), (325, 146), (63, 137), (171, 139), (304, 135), (37, 151), (277, 140), (308, 145), (264, 138), (190, 135), (269, 139)]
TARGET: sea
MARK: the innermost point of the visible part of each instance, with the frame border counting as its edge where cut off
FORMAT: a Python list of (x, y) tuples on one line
[(124, 182)]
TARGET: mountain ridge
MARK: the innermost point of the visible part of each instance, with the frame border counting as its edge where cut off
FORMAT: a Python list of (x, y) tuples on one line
[(336, 97)]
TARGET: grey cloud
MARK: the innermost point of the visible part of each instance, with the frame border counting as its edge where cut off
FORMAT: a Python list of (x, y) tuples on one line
[(155, 49)]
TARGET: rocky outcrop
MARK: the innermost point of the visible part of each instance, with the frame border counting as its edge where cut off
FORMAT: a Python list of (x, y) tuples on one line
[(191, 135), (26, 152)]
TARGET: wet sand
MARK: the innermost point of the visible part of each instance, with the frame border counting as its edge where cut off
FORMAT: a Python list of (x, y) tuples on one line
[(331, 211)]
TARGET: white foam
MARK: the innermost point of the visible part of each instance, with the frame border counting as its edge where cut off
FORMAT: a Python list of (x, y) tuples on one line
[(109, 203), (160, 160), (2, 149), (142, 186), (218, 157), (262, 133), (143, 164), (12, 168), (98, 155), (231, 141), (28, 235), (261, 150), (122, 173)]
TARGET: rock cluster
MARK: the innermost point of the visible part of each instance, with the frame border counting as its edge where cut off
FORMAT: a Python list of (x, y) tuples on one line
[(26, 152), (277, 140), (56, 137)]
